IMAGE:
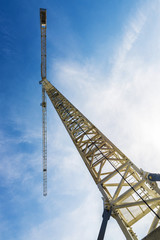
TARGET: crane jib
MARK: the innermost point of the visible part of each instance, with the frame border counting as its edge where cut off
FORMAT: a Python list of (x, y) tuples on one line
[(128, 195), (43, 26)]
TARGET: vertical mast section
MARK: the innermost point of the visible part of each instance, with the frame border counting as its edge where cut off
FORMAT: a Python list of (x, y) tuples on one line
[(43, 25)]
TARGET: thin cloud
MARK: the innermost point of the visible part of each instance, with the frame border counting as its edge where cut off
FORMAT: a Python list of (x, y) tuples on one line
[(131, 34)]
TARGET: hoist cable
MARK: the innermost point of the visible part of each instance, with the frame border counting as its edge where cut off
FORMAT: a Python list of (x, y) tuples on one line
[(66, 110)]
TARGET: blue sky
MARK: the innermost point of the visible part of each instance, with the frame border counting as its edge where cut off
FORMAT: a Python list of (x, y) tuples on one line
[(104, 56)]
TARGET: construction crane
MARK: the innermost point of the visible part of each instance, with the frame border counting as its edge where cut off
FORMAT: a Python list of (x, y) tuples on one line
[(43, 26), (128, 192)]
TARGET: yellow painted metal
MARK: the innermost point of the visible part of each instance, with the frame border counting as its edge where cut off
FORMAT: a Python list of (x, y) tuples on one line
[(123, 185)]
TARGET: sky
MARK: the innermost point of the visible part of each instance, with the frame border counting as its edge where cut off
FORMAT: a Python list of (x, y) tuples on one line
[(104, 56)]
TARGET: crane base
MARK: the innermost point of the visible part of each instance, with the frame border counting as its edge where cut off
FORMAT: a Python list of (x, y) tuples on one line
[(106, 216)]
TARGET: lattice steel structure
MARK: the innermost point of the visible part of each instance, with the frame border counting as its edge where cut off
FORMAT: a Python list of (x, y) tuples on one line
[(127, 192), (125, 188), (43, 26)]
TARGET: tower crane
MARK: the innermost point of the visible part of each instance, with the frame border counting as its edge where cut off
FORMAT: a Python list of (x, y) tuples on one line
[(129, 193)]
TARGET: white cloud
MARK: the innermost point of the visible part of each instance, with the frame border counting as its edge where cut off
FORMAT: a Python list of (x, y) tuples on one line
[(132, 32)]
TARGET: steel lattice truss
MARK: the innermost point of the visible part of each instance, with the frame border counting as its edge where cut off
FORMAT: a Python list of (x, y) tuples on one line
[(43, 26), (125, 188)]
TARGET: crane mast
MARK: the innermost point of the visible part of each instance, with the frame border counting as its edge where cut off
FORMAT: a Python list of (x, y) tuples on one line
[(129, 193), (43, 25)]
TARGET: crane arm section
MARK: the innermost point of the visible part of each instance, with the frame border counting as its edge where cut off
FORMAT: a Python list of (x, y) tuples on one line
[(43, 26), (125, 190), (128, 193)]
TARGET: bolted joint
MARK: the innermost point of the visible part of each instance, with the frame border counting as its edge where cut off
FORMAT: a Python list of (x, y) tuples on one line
[(43, 104)]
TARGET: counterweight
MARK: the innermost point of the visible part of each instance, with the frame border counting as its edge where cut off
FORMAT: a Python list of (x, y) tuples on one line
[(43, 25)]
